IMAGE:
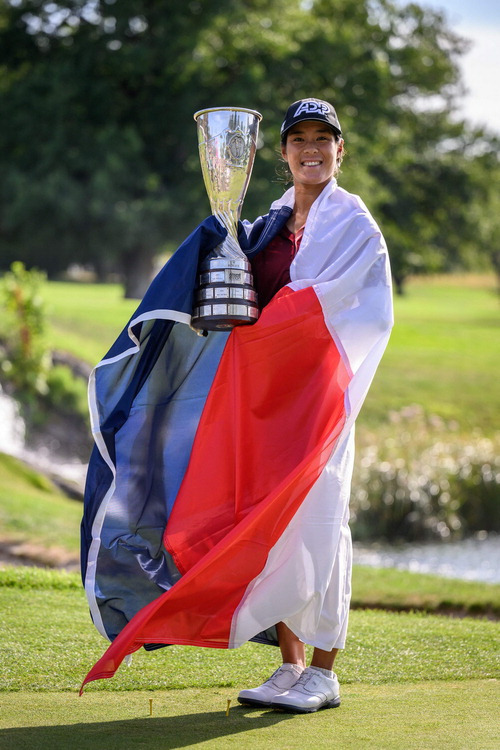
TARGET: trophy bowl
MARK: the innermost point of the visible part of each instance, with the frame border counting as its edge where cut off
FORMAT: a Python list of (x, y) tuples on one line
[(227, 141)]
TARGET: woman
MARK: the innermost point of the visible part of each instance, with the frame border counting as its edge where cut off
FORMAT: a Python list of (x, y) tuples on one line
[(312, 146), (216, 508)]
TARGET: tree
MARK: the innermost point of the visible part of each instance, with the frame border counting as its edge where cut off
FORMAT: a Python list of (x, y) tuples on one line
[(99, 161), (96, 171), (106, 171), (484, 208)]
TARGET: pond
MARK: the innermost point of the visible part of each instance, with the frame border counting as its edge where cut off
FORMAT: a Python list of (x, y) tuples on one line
[(11, 425), (476, 559), (43, 459)]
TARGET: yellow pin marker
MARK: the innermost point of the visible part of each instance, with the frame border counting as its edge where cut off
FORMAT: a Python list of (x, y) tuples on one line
[(228, 706), (150, 706)]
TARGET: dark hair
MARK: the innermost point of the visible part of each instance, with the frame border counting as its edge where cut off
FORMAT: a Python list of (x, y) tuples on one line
[(282, 170)]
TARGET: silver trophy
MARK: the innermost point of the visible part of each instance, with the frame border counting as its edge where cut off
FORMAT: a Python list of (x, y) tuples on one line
[(227, 140)]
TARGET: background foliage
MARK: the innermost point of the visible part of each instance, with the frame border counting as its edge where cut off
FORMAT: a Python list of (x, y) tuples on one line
[(418, 478), (98, 146), (100, 168), (27, 370), (24, 356)]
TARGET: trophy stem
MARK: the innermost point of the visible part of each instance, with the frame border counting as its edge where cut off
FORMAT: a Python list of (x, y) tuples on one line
[(230, 247)]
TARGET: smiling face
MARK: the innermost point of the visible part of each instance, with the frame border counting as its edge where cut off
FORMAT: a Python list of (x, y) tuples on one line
[(312, 153)]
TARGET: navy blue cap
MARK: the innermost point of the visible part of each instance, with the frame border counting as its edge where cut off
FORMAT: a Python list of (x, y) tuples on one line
[(310, 109)]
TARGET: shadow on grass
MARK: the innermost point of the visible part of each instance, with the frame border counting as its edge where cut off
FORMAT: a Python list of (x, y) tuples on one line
[(167, 732)]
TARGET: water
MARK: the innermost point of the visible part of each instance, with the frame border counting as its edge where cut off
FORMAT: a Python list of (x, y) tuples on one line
[(12, 429), (475, 559), (12, 442)]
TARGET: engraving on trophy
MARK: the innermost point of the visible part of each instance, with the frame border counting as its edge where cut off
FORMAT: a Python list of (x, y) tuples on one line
[(236, 146), (219, 309), (227, 139)]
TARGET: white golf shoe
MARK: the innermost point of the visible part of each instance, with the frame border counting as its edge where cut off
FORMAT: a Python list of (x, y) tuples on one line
[(312, 691), (283, 679)]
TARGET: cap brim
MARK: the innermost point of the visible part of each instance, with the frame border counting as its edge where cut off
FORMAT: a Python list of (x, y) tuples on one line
[(336, 130)]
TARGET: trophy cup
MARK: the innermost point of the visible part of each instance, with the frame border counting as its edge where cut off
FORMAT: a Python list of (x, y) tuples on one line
[(227, 139)]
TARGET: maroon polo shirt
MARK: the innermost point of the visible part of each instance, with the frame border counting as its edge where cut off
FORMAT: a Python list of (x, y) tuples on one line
[(271, 267)]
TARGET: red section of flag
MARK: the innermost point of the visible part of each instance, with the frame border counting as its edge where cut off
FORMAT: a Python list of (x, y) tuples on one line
[(277, 393), (270, 423)]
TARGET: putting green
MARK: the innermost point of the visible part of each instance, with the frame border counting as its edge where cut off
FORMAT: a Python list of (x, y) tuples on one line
[(458, 715)]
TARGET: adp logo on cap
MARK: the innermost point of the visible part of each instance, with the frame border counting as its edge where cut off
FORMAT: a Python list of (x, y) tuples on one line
[(312, 107)]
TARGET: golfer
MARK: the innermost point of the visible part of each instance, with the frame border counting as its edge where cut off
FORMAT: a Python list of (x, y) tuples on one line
[(312, 147), (217, 501)]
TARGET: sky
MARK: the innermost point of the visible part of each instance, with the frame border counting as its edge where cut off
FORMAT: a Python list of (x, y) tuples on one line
[(479, 21)]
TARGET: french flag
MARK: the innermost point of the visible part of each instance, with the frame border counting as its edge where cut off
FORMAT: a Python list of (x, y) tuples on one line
[(217, 494)]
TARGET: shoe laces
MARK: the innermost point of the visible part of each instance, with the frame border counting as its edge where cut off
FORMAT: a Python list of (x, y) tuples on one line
[(277, 672), (306, 677)]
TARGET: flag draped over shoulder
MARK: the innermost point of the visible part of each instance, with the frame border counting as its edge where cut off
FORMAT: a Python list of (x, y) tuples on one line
[(217, 495)]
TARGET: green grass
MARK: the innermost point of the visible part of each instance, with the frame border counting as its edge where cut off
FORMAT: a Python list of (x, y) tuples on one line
[(85, 319), (48, 643), (408, 680), (33, 512), (462, 716), (443, 352), (399, 589), (379, 588), (27, 578)]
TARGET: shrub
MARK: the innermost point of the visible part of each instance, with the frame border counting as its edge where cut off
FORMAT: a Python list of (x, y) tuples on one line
[(24, 356), (66, 392), (25, 360), (417, 478)]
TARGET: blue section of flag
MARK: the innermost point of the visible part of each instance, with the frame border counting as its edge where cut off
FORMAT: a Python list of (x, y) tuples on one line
[(148, 402), (118, 384)]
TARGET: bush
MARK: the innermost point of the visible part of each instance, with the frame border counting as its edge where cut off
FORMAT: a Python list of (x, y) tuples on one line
[(67, 393), (419, 479), (24, 356), (25, 361)]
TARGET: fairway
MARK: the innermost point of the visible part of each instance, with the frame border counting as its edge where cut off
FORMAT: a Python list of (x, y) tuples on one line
[(48, 643), (443, 352)]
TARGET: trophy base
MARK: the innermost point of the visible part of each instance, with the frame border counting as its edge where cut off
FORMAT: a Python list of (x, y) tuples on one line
[(220, 323), (225, 297)]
